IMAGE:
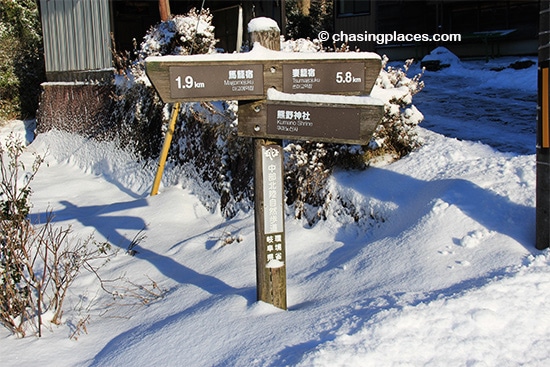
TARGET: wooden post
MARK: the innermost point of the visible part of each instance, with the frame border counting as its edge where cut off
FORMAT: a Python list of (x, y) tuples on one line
[(164, 10), (543, 131), (165, 148), (266, 32), (270, 280)]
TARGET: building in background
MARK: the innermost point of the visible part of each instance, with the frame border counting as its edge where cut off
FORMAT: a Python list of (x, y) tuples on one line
[(488, 28), (77, 33)]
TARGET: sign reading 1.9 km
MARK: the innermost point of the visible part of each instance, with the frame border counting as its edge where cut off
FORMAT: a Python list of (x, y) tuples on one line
[(200, 81)]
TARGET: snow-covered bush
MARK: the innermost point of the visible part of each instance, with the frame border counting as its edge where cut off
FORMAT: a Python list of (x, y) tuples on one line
[(396, 135), (301, 45), (188, 34), (217, 160), (308, 166), (138, 113), (137, 117)]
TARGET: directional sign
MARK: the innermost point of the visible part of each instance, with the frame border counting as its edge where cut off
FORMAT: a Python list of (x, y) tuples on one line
[(341, 120), (314, 122), (247, 76)]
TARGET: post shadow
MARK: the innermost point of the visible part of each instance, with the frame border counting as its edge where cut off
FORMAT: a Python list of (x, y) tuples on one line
[(109, 226)]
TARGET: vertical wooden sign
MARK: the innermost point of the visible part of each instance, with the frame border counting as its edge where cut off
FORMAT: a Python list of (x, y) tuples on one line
[(270, 225)]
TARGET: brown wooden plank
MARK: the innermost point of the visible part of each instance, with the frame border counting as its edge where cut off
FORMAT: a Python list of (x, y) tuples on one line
[(256, 120)]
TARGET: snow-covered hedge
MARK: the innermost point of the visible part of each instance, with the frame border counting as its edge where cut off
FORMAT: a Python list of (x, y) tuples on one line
[(396, 135), (219, 163), (139, 115)]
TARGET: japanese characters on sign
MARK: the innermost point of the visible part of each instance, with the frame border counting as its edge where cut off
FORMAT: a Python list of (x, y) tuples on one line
[(313, 121), (323, 77), (272, 167), (223, 80), (275, 255), (273, 188), (291, 119)]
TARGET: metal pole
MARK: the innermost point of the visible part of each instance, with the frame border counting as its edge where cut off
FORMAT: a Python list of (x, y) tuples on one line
[(543, 131)]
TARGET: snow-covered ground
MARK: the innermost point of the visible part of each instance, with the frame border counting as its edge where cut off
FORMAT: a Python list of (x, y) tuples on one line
[(446, 274)]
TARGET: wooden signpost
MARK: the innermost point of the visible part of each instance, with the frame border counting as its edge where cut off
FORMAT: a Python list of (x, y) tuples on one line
[(297, 96)]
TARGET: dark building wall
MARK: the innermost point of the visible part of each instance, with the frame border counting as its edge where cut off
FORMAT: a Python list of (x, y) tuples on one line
[(132, 19), (466, 17)]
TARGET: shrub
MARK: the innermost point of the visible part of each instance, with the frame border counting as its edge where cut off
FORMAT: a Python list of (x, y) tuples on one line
[(299, 25), (205, 139), (37, 263), (40, 262), (138, 113), (396, 135), (21, 59)]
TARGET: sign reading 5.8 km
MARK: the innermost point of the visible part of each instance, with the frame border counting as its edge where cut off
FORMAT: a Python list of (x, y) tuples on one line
[(323, 77)]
